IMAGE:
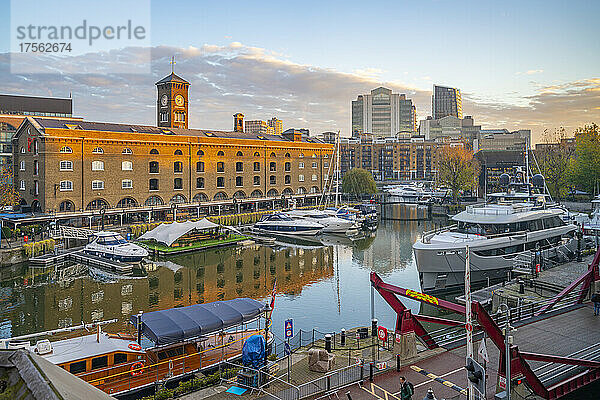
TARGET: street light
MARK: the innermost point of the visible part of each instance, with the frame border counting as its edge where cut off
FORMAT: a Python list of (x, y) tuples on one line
[(507, 348)]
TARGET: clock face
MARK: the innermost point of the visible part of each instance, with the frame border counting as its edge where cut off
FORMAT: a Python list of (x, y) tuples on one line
[(163, 100), (179, 100)]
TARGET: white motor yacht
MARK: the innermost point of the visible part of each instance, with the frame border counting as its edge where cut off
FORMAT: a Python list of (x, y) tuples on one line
[(331, 223), (283, 224), (112, 245), (591, 224)]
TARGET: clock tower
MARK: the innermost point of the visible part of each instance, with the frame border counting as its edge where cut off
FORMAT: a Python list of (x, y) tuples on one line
[(172, 103)]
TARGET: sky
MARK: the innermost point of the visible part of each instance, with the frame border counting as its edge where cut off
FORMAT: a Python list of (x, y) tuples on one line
[(519, 64)]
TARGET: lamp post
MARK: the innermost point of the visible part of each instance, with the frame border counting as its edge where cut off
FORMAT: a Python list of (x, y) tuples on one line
[(267, 320), (507, 348)]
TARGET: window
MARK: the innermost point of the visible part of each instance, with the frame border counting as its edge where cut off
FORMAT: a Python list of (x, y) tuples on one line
[(177, 199), (256, 154), (314, 155), (178, 184), (287, 155), (64, 166), (220, 154), (240, 154), (220, 166), (36, 188), (153, 151), (200, 153), (100, 362), (314, 164), (301, 155), (239, 181), (127, 150), (301, 165), (66, 206), (179, 116), (287, 179), (178, 152), (126, 166), (200, 166), (36, 167), (153, 184), (22, 185), (154, 167), (154, 201), (22, 150), (272, 180), (239, 166), (325, 164), (64, 150), (301, 190), (300, 178), (97, 165), (66, 186), (314, 177), (272, 167), (273, 155), (256, 166), (120, 358), (220, 182), (314, 189), (98, 150), (199, 183), (178, 167), (77, 367), (97, 185), (126, 184), (256, 180), (22, 166), (287, 166)]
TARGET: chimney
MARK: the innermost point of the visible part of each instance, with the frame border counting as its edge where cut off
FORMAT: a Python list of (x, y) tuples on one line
[(238, 122)]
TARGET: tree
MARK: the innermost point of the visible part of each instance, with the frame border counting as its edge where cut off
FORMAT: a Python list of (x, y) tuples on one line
[(457, 170), (9, 196), (555, 161), (359, 181), (586, 166)]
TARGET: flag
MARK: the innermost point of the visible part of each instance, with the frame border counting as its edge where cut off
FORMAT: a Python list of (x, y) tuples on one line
[(273, 293)]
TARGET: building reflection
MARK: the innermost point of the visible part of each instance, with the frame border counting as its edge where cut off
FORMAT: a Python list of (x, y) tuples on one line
[(39, 300)]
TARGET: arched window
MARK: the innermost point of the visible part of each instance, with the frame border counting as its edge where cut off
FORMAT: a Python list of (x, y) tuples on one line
[(200, 166), (66, 206), (178, 152), (153, 151), (126, 184), (256, 194), (301, 155), (272, 166), (239, 166), (97, 165), (273, 154), (154, 201), (127, 202), (64, 150), (272, 193), (22, 150), (288, 166), (178, 167), (153, 167), (314, 155), (220, 196), (126, 166), (177, 199), (97, 204), (220, 166), (98, 150), (97, 185), (240, 154), (153, 184), (65, 165), (177, 183), (240, 194), (256, 154), (127, 150), (200, 197), (287, 192), (220, 154), (301, 190), (199, 183), (200, 153), (287, 155), (314, 189), (22, 165)]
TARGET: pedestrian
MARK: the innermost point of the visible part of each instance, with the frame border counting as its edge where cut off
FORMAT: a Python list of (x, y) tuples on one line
[(406, 389), (596, 301)]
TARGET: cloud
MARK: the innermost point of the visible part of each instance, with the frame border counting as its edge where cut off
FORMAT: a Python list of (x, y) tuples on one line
[(261, 84), (530, 72)]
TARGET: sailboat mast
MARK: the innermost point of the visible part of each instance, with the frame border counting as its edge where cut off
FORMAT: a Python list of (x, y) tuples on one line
[(337, 170)]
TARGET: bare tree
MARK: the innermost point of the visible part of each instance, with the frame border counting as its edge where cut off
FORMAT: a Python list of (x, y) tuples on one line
[(457, 170)]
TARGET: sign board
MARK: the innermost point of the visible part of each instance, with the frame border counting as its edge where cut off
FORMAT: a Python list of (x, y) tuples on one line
[(398, 337), (289, 328), (286, 348), (502, 382), (483, 354), (381, 366), (469, 327), (382, 333)]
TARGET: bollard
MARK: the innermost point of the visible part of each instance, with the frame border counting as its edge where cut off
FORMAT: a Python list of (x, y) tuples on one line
[(429, 395), (328, 343), (343, 338), (398, 362), (371, 368), (374, 327)]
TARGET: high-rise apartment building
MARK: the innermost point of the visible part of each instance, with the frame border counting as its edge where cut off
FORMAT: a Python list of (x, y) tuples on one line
[(273, 126), (446, 101), (383, 113), (276, 124)]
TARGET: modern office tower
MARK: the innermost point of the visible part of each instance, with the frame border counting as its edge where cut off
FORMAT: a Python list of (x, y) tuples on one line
[(446, 101), (383, 113), (256, 126)]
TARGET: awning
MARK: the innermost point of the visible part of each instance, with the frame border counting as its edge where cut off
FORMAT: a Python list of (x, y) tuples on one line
[(178, 324), (169, 233)]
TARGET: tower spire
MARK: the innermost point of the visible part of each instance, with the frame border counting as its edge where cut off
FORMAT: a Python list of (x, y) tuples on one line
[(172, 64)]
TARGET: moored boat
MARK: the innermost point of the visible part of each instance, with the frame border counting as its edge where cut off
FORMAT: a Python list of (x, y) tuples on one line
[(112, 245)]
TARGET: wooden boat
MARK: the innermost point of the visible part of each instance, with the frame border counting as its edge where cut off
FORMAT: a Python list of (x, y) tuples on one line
[(185, 340)]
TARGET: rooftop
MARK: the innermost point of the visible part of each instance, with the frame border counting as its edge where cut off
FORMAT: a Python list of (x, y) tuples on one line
[(86, 346)]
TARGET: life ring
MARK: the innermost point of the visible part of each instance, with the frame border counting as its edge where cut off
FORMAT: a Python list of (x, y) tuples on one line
[(135, 346), (137, 368)]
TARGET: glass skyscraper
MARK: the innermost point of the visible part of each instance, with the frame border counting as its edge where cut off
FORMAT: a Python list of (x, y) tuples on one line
[(446, 101)]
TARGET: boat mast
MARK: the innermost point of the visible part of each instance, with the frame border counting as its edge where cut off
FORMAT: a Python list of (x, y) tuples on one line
[(337, 169)]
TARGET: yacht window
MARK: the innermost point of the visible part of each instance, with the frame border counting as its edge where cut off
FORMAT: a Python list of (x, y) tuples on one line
[(535, 225), (100, 362), (120, 358), (77, 367)]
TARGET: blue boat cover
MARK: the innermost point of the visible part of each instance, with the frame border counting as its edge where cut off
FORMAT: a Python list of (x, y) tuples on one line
[(253, 352), (178, 324)]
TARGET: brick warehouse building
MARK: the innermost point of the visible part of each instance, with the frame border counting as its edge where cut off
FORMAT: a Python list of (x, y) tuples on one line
[(64, 165)]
